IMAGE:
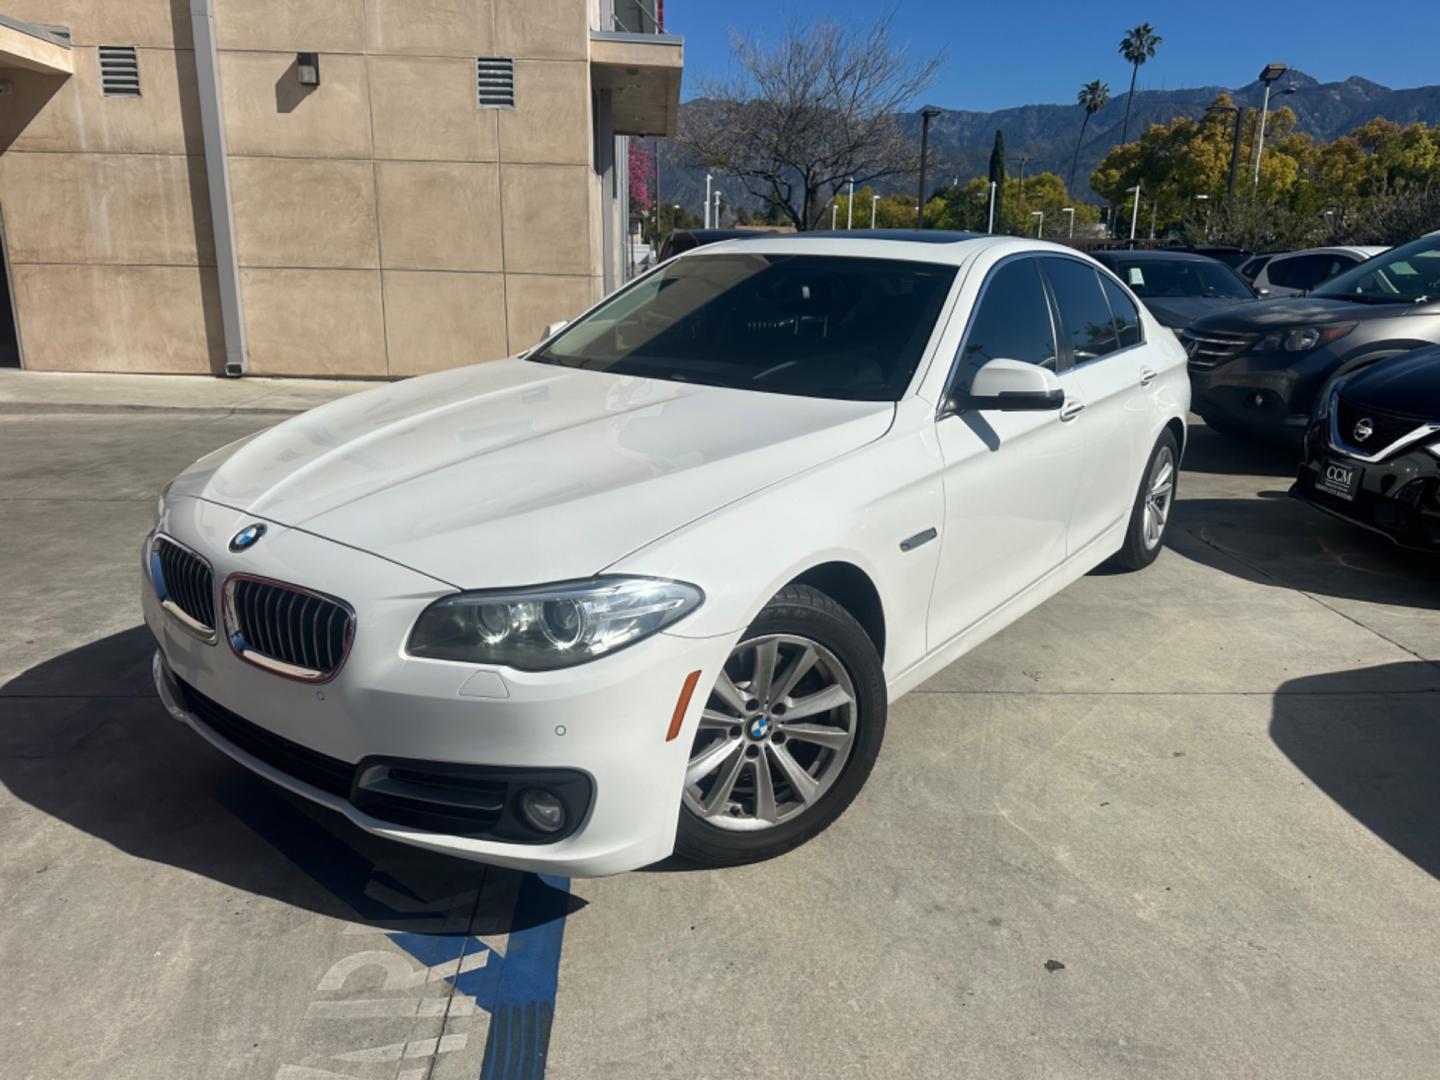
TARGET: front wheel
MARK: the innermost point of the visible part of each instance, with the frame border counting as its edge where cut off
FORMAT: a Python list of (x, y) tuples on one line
[(788, 735), (1150, 516)]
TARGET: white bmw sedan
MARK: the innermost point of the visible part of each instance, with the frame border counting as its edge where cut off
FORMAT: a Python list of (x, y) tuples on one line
[(650, 587)]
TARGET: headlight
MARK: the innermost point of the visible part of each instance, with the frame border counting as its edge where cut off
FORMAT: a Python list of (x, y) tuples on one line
[(550, 626), (1305, 338)]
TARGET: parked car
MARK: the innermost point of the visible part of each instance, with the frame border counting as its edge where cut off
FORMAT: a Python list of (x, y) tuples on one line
[(1252, 266), (1263, 368), (1230, 256), (652, 585), (1295, 273), (1372, 453), (681, 240), (1176, 286)]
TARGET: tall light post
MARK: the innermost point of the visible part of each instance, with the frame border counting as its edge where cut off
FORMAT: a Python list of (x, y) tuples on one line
[(1135, 212), (1039, 225), (990, 227), (1154, 206), (1270, 73), (874, 202), (1206, 200), (850, 206), (707, 200), (926, 115), (1071, 211)]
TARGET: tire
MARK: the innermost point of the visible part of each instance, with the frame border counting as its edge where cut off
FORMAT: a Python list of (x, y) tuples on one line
[(1142, 540), (747, 725)]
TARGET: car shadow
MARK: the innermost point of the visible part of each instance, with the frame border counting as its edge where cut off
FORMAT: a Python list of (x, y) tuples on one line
[(84, 739), (1209, 451), (1377, 755), (1275, 540)]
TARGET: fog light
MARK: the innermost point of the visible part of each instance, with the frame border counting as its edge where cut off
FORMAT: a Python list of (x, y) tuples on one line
[(542, 811)]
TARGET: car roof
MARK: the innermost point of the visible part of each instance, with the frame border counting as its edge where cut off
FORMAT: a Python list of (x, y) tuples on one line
[(1368, 251), (914, 245), (1154, 255)]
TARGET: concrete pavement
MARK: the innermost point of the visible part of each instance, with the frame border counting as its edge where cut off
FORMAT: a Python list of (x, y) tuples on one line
[(1172, 824)]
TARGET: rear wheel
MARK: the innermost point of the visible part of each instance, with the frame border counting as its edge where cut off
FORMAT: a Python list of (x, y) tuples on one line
[(1150, 516), (788, 735)]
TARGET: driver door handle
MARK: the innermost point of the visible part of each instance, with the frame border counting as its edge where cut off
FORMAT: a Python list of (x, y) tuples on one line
[(1147, 376), (1071, 409)]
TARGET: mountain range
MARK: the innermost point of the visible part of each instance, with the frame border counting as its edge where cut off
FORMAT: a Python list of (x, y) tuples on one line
[(960, 140)]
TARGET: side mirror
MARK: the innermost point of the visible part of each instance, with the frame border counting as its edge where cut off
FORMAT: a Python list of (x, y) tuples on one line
[(554, 328), (1013, 386)]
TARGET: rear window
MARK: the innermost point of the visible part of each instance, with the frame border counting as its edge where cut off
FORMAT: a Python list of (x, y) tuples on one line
[(814, 325)]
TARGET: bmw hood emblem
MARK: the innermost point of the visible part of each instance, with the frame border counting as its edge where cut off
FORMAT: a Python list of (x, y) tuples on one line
[(1364, 429), (246, 537)]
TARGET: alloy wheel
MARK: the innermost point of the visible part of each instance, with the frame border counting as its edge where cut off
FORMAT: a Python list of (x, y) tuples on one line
[(774, 736), (1159, 492)]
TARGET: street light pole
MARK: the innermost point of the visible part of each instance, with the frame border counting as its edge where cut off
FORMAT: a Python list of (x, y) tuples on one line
[(850, 207), (1039, 225), (926, 115), (1270, 73), (834, 209), (707, 200), (1206, 200), (1134, 213), (990, 228), (874, 202), (1071, 211)]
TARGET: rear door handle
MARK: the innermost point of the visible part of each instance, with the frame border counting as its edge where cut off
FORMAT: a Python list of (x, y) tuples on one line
[(1071, 409), (1147, 376)]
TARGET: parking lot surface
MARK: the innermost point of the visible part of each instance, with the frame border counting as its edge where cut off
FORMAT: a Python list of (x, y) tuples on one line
[(1181, 823)]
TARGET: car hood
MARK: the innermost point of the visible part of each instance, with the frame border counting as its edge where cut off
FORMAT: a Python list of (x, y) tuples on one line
[(511, 472), (1301, 311), (1180, 311), (1408, 384)]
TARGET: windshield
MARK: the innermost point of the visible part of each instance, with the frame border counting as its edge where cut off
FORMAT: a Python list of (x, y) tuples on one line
[(1152, 279), (816, 325), (1405, 274)]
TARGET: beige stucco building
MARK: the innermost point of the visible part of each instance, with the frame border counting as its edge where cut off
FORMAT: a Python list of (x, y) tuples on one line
[(178, 193)]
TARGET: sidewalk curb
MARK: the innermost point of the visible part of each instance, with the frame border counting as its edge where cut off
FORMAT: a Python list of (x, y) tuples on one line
[(55, 408)]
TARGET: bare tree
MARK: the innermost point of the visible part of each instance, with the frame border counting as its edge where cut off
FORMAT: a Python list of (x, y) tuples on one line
[(803, 117)]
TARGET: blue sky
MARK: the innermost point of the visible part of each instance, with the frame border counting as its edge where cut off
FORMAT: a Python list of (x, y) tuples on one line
[(1000, 54)]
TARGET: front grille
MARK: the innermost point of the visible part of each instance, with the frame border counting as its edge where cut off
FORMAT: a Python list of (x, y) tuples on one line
[(184, 580), (1387, 427), (286, 629), (1215, 347), (306, 765)]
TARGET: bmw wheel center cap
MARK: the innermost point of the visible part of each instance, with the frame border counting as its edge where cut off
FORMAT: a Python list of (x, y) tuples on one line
[(246, 537), (758, 727)]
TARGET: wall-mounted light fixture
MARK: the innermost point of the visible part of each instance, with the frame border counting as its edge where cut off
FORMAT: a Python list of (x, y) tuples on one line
[(307, 66)]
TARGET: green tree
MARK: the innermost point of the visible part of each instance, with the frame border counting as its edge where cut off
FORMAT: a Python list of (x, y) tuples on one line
[(1137, 46), (1093, 97), (997, 174)]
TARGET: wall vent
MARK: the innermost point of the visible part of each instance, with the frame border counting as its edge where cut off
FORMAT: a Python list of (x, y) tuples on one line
[(495, 82), (119, 71)]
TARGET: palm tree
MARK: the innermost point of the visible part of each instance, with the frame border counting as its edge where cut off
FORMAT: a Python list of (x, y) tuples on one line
[(1137, 46), (1094, 96)]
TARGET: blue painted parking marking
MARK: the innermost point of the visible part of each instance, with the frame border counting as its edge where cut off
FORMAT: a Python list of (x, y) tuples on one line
[(517, 989)]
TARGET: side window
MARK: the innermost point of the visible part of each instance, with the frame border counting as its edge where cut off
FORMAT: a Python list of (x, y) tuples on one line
[(1127, 319), (1012, 321), (1306, 272), (1278, 271), (1084, 314)]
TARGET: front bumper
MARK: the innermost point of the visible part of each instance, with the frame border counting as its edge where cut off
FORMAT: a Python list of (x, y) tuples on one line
[(604, 722), (1399, 497), (1265, 394)]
